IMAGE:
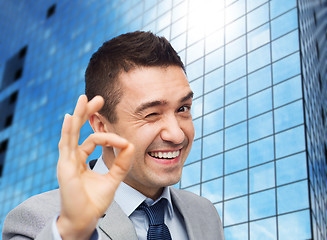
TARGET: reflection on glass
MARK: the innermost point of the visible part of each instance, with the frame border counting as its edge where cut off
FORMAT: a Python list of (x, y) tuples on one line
[(263, 229), (260, 102), (289, 142), (278, 7), (197, 107), (235, 49), (260, 126), (284, 24), (285, 45), (195, 69), (213, 100), (213, 144), (294, 226), (287, 91), (214, 60), (198, 128), (214, 79), (236, 185), (262, 177), (235, 136), (258, 37), (280, 72), (191, 174), (259, 58), (235, 29), (235, 112), (238, 232), (235, 69), (213, 121), (292, 197), (214, 41), (195, 153), (262, 204), (235, 10), (235, 211), (291, 169), (236, 159), (197, 87), (212, 167), (257, 17), (261, 151), (235, 91), (288, 116), (259, 80), (213, 190)]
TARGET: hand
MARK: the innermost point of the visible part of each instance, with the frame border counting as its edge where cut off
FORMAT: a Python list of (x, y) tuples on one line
[(86, 195)]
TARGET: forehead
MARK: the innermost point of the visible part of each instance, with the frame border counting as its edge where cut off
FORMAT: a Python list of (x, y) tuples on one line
[(154, 83)]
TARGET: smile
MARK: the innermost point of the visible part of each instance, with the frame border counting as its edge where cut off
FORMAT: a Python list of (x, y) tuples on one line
[(165, 155)]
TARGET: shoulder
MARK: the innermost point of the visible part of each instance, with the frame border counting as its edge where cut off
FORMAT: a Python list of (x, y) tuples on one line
[(31, 216), (189, 198), (193, 203)]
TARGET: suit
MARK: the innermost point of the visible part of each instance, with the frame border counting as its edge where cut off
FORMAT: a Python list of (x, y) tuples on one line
[(33, 218)]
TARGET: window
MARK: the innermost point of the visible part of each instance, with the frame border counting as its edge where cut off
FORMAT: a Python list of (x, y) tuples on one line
[(214, 79), (3, 150), (260, 102), (262, 204), (259, 58), (285, 45), (235, 112), (261, 126), (213, 144), (236, 185), (259, 80), (284, 24), (236, 211), (51, 10), (191, 175), (291, 169), (236, 136), (235, 91), (262, 177), (261, 151), (236, 160), (213, 100), (213, 121), (213, 190), (212, 167)]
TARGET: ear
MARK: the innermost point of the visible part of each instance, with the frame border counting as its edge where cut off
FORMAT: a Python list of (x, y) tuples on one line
[(98, 123)]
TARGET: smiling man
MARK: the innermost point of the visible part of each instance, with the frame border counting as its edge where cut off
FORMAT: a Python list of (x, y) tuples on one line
[(138, 102)]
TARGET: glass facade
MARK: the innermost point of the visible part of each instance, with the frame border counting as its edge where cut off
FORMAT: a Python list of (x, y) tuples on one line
[(258, 71)]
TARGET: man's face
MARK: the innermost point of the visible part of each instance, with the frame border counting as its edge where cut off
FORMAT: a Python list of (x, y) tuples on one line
[(154, 114)]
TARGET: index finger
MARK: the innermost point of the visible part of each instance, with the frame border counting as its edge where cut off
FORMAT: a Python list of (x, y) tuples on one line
[(81, 114)]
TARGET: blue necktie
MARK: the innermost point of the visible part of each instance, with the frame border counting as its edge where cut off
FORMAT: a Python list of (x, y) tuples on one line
[(157, 228)]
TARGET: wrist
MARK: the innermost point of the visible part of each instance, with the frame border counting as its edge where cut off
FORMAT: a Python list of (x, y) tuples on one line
[(69, 230)]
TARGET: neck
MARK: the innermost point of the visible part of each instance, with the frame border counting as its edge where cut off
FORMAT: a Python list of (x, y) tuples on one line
[(108, 156)]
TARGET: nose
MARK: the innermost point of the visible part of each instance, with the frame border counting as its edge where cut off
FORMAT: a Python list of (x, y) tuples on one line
[(172, 131)]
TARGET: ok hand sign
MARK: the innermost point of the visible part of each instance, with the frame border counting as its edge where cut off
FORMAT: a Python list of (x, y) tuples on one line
[(86, 195)]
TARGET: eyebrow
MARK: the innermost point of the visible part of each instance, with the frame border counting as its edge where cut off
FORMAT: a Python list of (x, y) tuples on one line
[(155, 103)]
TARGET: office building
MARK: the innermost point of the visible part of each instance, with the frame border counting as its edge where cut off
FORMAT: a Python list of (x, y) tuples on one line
[(258, 71)]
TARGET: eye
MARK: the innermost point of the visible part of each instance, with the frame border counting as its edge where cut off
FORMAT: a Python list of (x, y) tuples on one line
[(152, 115), (184, 109)]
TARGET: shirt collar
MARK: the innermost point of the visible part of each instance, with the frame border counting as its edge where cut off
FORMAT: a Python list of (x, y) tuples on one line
[(129, 198)]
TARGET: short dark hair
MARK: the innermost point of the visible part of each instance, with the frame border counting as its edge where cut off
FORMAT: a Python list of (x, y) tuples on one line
[(124, 53)]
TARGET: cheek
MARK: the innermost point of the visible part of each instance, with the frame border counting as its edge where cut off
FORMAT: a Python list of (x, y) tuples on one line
[(144, 136)]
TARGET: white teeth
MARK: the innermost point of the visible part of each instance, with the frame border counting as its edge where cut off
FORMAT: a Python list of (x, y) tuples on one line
[(167, 155)]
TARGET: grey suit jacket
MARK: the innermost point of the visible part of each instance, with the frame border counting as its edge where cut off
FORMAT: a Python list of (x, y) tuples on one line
[(33, 218)]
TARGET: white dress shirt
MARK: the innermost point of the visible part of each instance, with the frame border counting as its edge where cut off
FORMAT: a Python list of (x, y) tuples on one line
[(129, 199)]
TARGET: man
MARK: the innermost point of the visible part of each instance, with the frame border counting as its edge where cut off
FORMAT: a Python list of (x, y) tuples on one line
[(138, 104)]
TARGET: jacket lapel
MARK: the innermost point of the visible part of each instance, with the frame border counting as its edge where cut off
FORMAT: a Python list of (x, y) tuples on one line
[(186, 213), (116, 225)]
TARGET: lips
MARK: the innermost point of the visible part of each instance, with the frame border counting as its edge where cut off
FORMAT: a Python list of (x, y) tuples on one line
[(165, 154)]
